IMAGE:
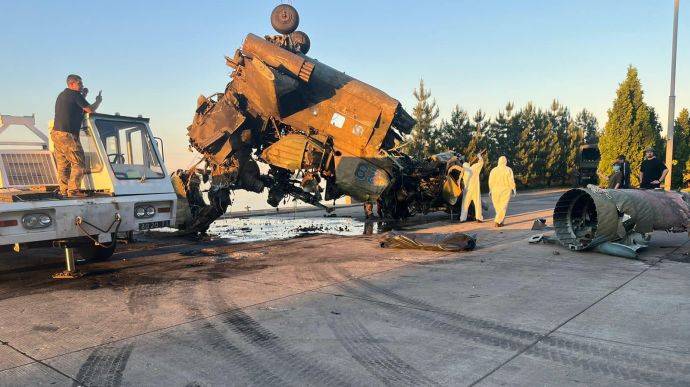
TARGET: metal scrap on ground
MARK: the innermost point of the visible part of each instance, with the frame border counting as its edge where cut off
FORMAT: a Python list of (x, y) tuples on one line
[(618, 222), (454, 241)]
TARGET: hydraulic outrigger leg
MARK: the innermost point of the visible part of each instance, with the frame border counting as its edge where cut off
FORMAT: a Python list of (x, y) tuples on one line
[(70, 267)]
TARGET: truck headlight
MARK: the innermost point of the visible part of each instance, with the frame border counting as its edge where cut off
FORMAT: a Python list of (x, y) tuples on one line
[(139, 212), (45, 220), (34, 221), (144, 211)]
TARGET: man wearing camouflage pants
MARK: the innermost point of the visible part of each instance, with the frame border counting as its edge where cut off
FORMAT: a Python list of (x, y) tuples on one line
[(70, 107)]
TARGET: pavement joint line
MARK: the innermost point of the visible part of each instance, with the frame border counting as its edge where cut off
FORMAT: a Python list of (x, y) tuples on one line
[(34, 361), (540, 338)]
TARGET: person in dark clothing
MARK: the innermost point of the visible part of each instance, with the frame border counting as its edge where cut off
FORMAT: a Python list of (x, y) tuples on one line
[(625, 171), (616, 178), (652, 171), (70, 107)]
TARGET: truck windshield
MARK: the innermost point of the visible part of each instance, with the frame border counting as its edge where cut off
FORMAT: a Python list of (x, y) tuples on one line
[(129, 149), (590, 154)]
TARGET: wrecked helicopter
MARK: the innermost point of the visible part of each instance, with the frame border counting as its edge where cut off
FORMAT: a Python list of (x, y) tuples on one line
[(322, 134)]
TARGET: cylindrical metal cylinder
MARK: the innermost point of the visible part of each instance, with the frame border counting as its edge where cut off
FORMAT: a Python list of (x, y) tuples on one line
[(585, 217), (277, 57), (69, 258)]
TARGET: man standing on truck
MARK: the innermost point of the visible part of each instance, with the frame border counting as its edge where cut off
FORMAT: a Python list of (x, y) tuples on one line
[(70, 107), (652, 171)]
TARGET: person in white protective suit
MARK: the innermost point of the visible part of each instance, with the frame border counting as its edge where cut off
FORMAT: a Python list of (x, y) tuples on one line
[(501, 183), (471, 193)]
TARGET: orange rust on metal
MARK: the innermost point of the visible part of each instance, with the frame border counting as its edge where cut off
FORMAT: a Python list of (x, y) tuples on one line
[(308, 121)]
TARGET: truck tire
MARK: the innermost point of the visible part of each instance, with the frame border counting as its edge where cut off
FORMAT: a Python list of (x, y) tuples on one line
[(97, 253)]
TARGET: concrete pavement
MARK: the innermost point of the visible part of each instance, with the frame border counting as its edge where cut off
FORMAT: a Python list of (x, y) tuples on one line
[(335, 310)]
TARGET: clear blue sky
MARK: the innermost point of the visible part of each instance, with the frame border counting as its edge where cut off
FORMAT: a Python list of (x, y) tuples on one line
[(155, 57)]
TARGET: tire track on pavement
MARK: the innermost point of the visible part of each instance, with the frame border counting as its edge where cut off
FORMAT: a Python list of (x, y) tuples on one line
[(106, 365), (568, 352), (238, 359), (587, 348), (365, 349), (294, 365)]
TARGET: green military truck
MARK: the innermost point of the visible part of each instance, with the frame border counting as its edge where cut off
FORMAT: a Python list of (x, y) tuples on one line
[(587, 161)]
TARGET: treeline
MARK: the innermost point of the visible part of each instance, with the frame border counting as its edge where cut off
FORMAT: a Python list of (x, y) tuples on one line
[(541, 144)]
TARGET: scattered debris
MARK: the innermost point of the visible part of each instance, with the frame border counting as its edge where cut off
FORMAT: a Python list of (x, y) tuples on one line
[(209, 251), (539, 224), (455, 241), (541, 238)]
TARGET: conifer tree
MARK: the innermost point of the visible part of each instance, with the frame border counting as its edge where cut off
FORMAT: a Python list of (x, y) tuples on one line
[(576, 136), (454, 134), (681, 148), (502, 135), (632, 126), (589, 126), (559, 120), (527, 149), (553, 154), (477, 142), (422, 142)]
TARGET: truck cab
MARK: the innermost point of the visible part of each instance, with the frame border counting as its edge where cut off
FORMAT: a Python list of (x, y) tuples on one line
[(588, 158), (128, 185)]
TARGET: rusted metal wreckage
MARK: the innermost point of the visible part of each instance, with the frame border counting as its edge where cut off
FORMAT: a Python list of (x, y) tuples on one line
[(618, 222), (311, 124)]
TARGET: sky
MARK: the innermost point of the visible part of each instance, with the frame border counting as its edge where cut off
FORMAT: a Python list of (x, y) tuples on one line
[(154, 58)]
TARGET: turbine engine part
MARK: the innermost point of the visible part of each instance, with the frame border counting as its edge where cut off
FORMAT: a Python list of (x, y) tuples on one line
[(587, 217)]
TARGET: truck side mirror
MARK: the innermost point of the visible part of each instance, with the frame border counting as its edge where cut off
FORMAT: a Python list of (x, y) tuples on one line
[(159, 141)]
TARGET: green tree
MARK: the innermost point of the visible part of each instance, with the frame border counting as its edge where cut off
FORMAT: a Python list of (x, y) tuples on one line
[(556, 143), (530, 164), (477, 141), (681, 148), (503, 135), (576, 135), (589, 126), (632, 126), (423, 142), (454, 134)]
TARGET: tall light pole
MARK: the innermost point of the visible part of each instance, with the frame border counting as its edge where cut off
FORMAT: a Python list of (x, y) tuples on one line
[(672, 102)]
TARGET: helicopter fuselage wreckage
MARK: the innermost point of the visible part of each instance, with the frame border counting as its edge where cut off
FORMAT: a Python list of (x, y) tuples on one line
[(311, 124)]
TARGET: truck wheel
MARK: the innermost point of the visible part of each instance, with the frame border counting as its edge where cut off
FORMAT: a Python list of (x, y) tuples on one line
[(98, 253), (285, 19)]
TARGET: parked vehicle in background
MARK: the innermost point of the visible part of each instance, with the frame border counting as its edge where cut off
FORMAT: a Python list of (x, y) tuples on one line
[(587, 161)]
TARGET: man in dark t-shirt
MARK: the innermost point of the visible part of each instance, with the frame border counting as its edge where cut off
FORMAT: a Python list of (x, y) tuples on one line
[(70, 107), (652, 171)]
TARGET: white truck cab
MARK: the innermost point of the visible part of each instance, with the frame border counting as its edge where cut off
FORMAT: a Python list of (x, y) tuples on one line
[(130, 189)]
